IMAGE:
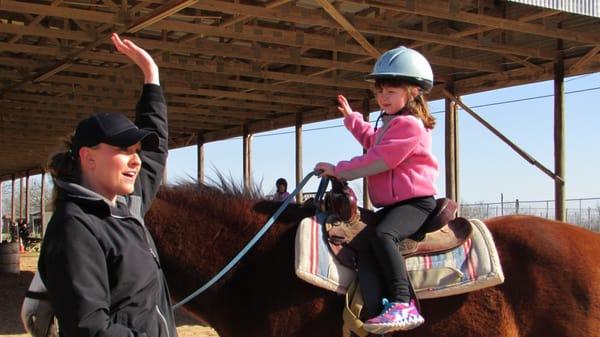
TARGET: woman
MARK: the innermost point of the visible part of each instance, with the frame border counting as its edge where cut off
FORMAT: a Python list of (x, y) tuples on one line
[(98, 261), (401, 171), (281, 194)]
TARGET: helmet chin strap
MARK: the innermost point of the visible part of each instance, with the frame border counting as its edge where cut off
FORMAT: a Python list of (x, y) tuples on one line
[(382, 113)]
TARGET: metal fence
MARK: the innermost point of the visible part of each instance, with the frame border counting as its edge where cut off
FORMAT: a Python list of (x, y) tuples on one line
[(583, 212)]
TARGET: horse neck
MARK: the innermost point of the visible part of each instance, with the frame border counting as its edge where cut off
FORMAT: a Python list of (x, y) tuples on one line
[(197, 233)]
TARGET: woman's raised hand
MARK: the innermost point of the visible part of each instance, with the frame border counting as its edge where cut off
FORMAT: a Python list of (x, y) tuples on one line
[(138, 55), (344, 107)]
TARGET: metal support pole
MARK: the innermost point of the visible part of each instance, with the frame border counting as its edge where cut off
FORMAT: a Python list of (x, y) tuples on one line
[(559, 132), (299, 173)]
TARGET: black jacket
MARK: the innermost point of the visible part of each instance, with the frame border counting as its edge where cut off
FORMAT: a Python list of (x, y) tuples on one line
[(99, 262)]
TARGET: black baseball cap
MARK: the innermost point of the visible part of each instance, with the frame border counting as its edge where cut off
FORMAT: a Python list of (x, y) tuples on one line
[(114, 129)]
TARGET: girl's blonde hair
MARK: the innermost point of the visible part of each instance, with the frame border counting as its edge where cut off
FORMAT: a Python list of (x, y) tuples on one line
[(417, 106)]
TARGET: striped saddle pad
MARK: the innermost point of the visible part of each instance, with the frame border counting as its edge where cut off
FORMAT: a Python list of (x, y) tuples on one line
[(472, 266)]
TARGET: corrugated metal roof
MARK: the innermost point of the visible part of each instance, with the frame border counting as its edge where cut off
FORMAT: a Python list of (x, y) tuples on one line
[(583, 7)]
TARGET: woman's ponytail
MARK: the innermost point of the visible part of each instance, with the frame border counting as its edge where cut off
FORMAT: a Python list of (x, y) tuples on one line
[(64, 165)]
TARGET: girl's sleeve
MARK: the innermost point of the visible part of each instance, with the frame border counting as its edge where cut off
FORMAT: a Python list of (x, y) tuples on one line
[(151, 115), (362, 130), (399, 141)]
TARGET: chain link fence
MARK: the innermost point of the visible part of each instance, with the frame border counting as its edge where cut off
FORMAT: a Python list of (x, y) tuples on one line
[(583, 212)]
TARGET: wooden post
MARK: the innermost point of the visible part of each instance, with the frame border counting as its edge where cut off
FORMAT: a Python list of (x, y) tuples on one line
[(1, 214), (247, 145), (451, 150), (27, 197), (559, 132), (200, 149), (365, 192), (21, 183), (12, 200), (299, 123), (42, 203)]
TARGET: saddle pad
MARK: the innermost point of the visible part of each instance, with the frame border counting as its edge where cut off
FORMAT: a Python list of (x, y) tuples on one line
[(471, 266), (314, 262)]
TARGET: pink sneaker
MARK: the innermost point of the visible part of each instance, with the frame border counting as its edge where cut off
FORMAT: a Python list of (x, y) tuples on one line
[(394, 317)]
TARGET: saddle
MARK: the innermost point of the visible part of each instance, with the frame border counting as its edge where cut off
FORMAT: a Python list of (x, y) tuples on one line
[(347, 235)]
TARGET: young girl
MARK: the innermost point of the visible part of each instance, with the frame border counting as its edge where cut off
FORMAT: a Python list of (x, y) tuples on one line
[(98, 261), (400, 171)]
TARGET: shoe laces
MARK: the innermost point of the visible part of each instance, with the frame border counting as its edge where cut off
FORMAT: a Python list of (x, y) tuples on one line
[(386, 304)]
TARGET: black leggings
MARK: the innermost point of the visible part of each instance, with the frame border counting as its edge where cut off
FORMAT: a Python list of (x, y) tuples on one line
[(398, 222)]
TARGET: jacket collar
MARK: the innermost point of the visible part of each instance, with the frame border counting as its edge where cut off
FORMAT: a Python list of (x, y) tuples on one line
[(81, 194)]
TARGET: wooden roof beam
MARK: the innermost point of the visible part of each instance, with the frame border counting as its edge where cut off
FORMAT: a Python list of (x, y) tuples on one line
[(35, 21), (207, 66), (533, 67), (442, 10), (297, 38), (157, 15), (365, 25), (386, 29), (584, 59), (339, 17), (77, 110)]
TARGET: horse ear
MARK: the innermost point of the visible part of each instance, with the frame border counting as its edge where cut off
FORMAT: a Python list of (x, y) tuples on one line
[(341, 200)]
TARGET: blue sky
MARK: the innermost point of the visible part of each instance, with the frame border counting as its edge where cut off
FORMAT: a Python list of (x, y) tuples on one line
[(488, 167)]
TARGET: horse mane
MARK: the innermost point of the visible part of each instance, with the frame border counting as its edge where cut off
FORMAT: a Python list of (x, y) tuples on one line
[(215, 218)]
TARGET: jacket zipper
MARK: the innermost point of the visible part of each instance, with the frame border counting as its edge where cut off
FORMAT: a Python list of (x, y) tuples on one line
[(150, 247), (164, 320), (147, 237)]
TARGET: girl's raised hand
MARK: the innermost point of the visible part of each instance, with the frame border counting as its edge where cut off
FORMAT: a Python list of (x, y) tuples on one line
[(326, 169), (344, 107), (139, 56)]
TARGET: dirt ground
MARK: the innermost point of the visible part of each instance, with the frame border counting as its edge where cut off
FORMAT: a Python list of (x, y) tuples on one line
[(13, 287)]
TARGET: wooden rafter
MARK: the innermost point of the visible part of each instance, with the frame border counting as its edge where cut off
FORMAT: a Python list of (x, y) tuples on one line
[(257, 64), (337, 16)]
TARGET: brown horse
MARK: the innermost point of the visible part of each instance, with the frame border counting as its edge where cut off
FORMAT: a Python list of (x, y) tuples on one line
[(552, 285)]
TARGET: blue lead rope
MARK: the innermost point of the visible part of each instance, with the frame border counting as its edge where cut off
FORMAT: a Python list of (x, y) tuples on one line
[(249, 245)]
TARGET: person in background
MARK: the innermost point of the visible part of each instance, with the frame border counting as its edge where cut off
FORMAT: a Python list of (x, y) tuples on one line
[(98, 260), (24, 233), (401, 172), (281, 194)]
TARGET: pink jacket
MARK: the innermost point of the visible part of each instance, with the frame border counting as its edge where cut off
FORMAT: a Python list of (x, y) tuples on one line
[(398, 163)]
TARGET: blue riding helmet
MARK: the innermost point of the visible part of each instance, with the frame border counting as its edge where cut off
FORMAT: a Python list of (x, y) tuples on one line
[(405, 64)]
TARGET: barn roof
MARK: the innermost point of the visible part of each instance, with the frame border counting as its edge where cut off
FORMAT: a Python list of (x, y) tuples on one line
[(257, 65)]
